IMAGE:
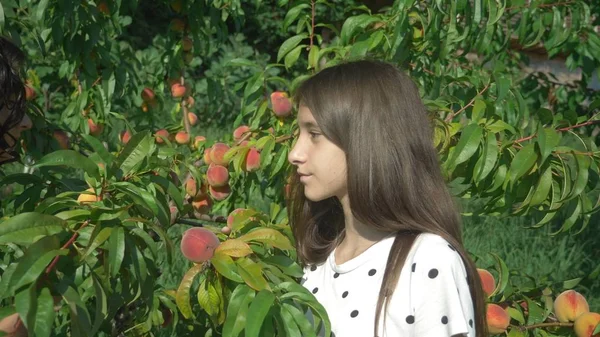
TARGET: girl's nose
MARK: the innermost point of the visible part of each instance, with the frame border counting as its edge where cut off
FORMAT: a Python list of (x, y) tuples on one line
[(296, 155)]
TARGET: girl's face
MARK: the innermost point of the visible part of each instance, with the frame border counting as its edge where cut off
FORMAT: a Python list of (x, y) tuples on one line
[(321, 164), (12, 136)]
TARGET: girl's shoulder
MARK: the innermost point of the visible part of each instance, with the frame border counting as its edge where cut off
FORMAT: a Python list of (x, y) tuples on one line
[(432, 247)]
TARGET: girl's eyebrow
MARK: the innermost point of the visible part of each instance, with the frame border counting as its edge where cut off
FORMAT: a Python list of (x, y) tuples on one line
[(308, 124)]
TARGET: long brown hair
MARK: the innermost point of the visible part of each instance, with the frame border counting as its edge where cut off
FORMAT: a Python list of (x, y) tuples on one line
[(374, 113)]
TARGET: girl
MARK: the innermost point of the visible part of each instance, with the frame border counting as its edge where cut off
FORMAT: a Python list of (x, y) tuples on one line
[(13, 119), (373, 220)]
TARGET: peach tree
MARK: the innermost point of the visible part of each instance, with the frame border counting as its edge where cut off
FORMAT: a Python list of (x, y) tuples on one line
[(123, 95)]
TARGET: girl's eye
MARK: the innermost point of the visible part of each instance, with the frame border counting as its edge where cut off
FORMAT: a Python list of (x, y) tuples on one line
[(314, 134)]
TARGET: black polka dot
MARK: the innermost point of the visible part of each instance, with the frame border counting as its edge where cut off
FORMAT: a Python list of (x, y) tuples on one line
[(433, 273), (414, 266), (336, 275), (314, 291), (445, 320), (344, 294), (410, 319), (313, 268), (372, 272), (354, 313), (451, 247), (471, 323)]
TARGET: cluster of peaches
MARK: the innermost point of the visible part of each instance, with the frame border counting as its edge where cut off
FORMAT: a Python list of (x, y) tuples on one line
[(569, 307)]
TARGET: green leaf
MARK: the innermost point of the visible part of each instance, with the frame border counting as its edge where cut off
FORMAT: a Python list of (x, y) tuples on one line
[(183, 292), (139, 147), (292, 56), (269, 236), (287, 265), (258, 311), (251, 272), (69, 158), (536, 314), (21, 179), (466, 147), (547, 140), (140, 196), (116, 250), (313, 57), (225, 266), (99, 149), (237, 310), (522, 162), (289, 44), (44, 314), (101, 304), (289, 323), (170, 188), (292, 14), (543, 187), (306, 328), (478, 110), (583, 164), (97, 240), (26, 228), (80, 317), (209, 298), (354, 23), (486, 162)]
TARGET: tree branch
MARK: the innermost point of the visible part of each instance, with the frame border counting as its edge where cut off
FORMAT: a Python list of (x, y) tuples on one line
[(65, 246), (450, 117)]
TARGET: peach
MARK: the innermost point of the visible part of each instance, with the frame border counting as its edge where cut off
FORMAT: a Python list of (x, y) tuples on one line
[(182, 137), (88, 198), (198, 141), (206, 157), (95, 128), (103, 8), (226, 230), (252, 162), (568, 305), (281, 104), (12, 326), (161, 135), (271, 130), (125, 137), (192, 118), (217, 154), (497, 319), (174, 214), (148, 95), (202, 204), (187, 44), (62, 138), (238, 133), (29, 93), (177, 25), (487, 281), (177, 90), (586, 323), (217, 175), (176, 6), (231, 215), (219, 193), (194, 189), (198, 244), (190, 101)]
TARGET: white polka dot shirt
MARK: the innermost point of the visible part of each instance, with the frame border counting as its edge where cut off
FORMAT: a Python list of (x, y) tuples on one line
[(432, 298)]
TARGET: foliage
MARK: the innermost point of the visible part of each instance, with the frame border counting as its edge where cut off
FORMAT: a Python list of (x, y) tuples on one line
[(519, 143)]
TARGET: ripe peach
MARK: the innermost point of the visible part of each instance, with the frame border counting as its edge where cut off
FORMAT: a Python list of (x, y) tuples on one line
[(148, 95), (497, 319), (252, 162), (192, 118), (198, 244), (187, 44), (177, 25), (161, 135), (231, 215), (194, 189), (586, 323), (219, 193), (202, 204), (238, 133), (62, 138), (487, 281), (103, 8), (125, 137), (95, 128), (217, 175), (206, 157), (190, 101), (182, 137), (177, 90), (87, 198), (281, 104), (12, 326), (217, 154), (568, 305), (29, 93), (198, 141)]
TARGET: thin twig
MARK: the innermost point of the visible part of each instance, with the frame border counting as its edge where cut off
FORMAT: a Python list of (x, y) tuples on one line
[(541, 5), (66, 246), (450, 117)]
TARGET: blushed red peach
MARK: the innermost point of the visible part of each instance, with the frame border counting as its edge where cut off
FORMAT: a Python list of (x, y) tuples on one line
[(198, 244), (217, 154), (487, 281), (252, 162), (568, 305), (219, 193), (281, 104), (586, 323), (217, 175), (239, 132), (182, 137), (497, 319), (161, 135)]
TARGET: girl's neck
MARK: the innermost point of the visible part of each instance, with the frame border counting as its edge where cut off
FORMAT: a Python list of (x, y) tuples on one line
[(358, 237)]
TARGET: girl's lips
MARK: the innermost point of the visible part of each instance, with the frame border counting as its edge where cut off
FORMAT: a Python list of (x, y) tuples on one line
[(304, 177)]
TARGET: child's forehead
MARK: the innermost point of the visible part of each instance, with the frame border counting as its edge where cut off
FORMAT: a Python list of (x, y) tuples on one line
[(305, 117)]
